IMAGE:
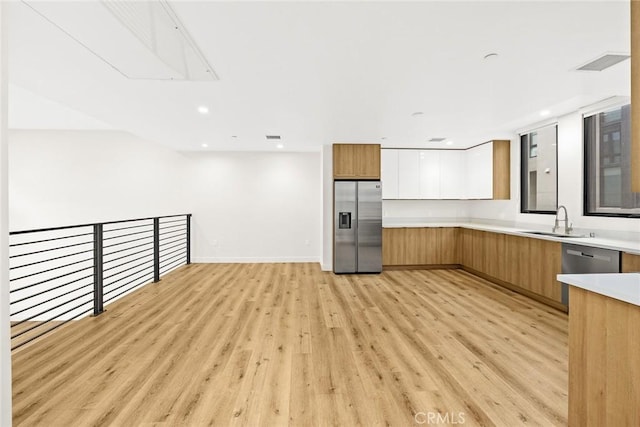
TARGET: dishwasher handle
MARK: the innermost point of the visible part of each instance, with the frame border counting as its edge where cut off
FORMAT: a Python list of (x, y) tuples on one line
[(585, 255)]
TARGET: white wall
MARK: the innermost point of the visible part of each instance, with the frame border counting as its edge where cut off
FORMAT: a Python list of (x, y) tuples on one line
[(69, 177), (5, 340), (247, 207), (255, 207), (432, 210)]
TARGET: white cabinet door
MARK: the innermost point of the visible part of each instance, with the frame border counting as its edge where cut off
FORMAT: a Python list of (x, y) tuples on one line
[(389, 173), (408, 174), (480, 172), (453, 174), (429, 161)]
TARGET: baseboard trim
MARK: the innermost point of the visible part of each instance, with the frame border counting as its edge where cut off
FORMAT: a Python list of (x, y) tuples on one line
[(422, 267), (253, 260), (518, 289)]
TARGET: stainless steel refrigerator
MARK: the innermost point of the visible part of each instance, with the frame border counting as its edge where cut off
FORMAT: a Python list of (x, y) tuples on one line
[(357, 235)]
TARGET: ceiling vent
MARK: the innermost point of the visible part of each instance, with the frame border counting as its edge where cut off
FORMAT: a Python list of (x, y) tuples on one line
[(437, 139), (273, 137), (603, 62)]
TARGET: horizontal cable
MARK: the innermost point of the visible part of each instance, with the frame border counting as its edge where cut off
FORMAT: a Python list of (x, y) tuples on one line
[(175, 220), (168, 260), (164, 256), (146, 277), (51, 329), (126, 249), (128, 241), (172, 226), (163, 245), (127, 255), (127, 276), (53, 298), (129, 234), (168, 236), (14, 233), (50, 240), (127, 262), (49, 320), (51, 249), (130, 268), (182, 243), (50, 259), (175, 264), (127, 228), (50, 289), (46, 271), (52, 308)]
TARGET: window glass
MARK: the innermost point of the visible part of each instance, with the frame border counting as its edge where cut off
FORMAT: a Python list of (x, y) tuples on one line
[(539, 168), (607, 147)]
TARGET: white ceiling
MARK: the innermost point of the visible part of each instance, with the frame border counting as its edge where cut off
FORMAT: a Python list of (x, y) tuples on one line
[(323, 72)]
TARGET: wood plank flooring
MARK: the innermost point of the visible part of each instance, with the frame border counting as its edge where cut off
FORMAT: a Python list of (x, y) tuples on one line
[(288, 344)]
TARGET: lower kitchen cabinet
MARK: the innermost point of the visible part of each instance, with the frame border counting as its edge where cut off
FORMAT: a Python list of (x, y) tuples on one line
[(524, 263), (413, 246), (630, 263)]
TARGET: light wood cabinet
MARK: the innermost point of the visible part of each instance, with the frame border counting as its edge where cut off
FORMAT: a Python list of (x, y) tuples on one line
[(522, 263), (635, 96), (501, 170), (419, 246), (604, 360), (630, 263), (356, 161)]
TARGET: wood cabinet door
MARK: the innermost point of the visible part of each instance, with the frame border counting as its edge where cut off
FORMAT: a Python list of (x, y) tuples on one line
[(344, 159), (630, 263), (367, 161)]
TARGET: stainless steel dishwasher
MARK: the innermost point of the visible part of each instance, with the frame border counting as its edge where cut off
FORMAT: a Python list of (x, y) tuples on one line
[(577, 259)]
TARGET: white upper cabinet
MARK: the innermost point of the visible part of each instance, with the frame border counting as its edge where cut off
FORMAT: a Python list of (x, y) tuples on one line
[(453, 174), (408, 174), (429, 166), (447, 174), (480, 171), (389, 173)]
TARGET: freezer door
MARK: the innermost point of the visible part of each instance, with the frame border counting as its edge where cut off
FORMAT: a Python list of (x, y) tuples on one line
[(344, 227), (369, 227)]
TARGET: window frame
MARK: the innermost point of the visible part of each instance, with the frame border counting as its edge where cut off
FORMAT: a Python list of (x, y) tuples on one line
[(524, 170), (585, 166)]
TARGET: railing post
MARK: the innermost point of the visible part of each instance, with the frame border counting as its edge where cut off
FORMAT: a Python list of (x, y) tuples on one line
[(156, 250), (188, 238), (98, 291)]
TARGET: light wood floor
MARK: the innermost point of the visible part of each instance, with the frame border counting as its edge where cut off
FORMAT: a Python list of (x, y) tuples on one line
[(287, 344)]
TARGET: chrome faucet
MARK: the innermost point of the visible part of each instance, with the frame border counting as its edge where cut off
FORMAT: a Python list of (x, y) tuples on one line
[(568, 228)]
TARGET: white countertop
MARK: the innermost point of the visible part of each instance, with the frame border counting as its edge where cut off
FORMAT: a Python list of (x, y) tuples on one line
[(621, 286), (598, 242)]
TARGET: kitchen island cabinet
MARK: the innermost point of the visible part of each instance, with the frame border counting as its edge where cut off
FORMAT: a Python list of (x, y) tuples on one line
[(604, 349)]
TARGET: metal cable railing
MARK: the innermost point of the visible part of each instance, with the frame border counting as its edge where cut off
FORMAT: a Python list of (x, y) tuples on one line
[(60, 274)]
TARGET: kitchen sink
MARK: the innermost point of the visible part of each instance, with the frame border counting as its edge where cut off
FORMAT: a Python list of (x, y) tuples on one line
[(548, 233)]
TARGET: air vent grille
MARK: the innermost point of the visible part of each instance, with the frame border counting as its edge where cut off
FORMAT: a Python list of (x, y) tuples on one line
[(603, 62), (273, 137)]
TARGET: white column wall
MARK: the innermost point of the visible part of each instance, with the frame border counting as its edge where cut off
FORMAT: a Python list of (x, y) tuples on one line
[(5, 340)]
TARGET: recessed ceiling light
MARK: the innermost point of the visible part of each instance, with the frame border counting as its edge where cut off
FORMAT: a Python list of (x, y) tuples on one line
[(205, 145), (203, 109), (545, 113), (449, 142), (417, 113), (383, 138), (234, 136), (280, 146), (490, 56), (437, 139)]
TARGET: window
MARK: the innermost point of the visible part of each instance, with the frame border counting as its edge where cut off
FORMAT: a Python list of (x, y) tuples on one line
[(539, 166), (607, 147)]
